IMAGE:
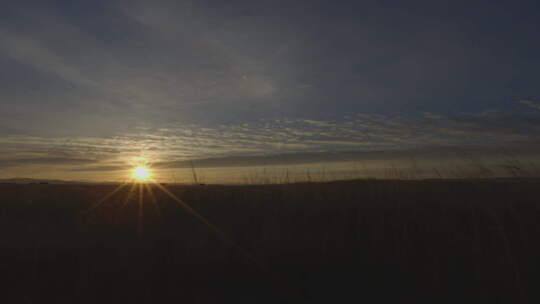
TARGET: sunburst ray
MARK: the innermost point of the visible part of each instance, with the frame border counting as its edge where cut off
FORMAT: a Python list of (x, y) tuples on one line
[(222, 235), (129, 194), (141, 211), (106, 197), (153, 198)]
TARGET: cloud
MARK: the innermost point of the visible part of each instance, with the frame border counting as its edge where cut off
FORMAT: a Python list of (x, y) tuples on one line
[(530, 103), (291, 139), (5, 163), (238, 82), (287, 159), (99, 168), (434, 116), (127, 63)]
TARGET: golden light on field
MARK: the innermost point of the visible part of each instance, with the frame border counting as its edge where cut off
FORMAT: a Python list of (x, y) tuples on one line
[(140, 173)]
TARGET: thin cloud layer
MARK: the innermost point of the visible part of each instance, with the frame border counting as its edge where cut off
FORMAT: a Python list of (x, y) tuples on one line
[(87, 86), (284, 142), (532, 104)]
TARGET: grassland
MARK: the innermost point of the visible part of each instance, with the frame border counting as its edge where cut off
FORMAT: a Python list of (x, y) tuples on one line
[(359, 241)]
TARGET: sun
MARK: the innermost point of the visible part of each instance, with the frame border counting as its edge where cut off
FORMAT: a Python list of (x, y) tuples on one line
[(140, 173)]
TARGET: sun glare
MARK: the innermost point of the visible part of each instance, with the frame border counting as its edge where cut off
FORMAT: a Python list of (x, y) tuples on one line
[(141, 173)]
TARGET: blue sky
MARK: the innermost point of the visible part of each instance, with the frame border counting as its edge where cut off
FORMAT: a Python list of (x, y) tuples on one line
[(87, 86)]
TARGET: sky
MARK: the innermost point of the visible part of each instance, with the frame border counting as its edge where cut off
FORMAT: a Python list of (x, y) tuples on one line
[(91, 88)]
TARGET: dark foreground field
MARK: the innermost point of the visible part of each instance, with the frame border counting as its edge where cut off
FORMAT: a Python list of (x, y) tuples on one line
[(342, 242)]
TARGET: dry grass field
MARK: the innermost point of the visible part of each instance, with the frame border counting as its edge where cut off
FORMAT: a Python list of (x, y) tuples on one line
[(360, 241)]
